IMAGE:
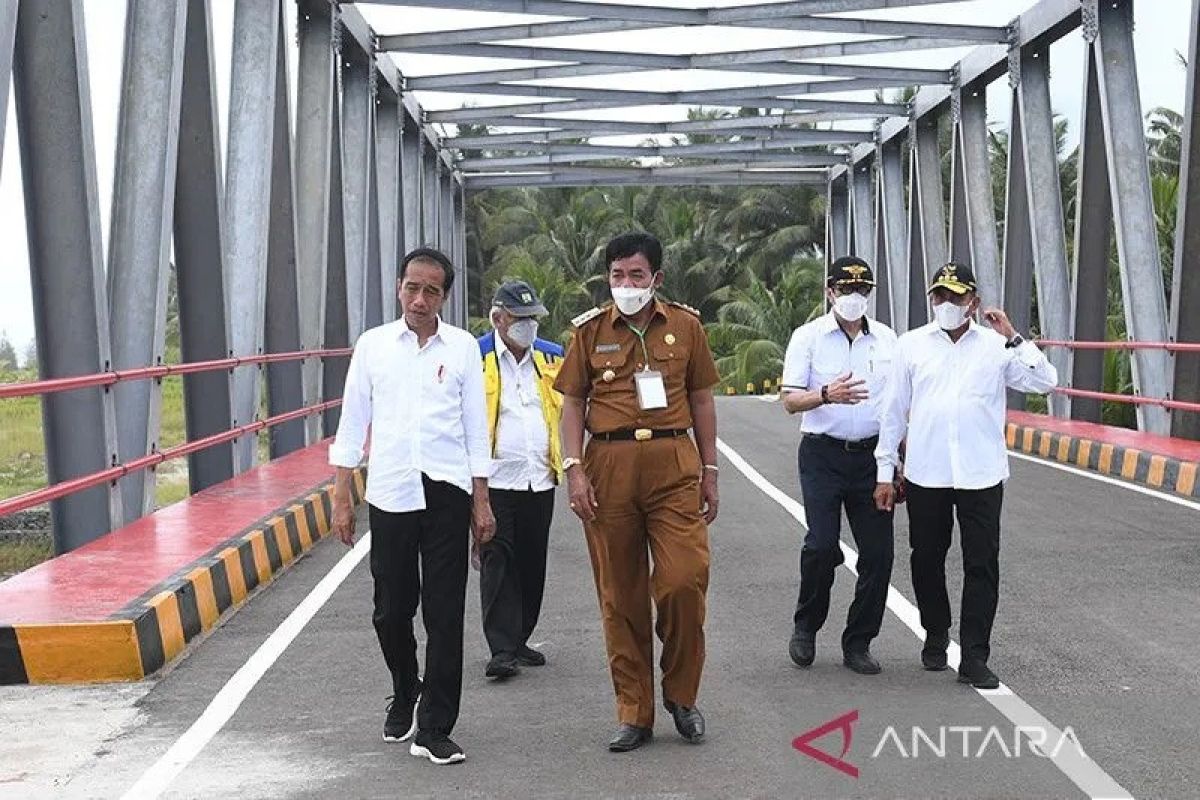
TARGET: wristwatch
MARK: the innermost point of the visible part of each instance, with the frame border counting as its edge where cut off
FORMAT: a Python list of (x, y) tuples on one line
[(567, 463), (1016, 341)]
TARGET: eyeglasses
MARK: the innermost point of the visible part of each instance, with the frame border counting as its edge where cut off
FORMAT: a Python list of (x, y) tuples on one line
[(862, 289)]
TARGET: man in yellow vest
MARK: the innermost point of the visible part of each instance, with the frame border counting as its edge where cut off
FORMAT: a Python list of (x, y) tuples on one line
[(523, 414)]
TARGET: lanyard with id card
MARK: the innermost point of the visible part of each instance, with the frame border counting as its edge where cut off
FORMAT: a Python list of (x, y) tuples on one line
[(651, 391)]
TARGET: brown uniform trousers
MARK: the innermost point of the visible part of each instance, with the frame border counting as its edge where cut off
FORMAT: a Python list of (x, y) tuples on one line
[(648, 496)]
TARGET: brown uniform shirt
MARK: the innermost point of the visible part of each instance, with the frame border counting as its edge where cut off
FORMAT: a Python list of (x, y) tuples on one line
[(604, 346)]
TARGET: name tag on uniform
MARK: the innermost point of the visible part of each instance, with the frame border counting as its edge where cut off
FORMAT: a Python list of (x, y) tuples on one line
[(651, 391), (607, 348)]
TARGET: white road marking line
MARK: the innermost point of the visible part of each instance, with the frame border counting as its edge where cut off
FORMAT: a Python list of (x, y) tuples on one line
[(227, 701), (1096, 476), (1083, 772)]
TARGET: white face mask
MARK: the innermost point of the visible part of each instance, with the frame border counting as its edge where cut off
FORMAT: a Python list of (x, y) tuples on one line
[(851, 307), (949, 316), (630, 299), (523, 332)]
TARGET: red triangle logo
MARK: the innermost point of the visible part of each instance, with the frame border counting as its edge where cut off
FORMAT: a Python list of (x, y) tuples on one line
[(845, 724)]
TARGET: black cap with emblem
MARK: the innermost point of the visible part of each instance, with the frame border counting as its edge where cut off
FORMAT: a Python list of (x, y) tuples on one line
[(519, 299), (849, 271), (958, 278)]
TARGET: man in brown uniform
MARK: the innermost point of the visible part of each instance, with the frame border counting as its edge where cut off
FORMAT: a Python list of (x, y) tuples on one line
[(640, 374)]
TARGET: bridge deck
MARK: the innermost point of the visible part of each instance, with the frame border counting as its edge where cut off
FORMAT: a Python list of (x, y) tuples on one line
[(1096, 631)]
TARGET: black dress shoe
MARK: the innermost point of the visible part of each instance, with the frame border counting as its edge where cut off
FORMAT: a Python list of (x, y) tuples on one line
[(978, 675), (629, 737), (803, 648), (528, 657), (861, 662), (933, 654), (688, 721), (502, 665)]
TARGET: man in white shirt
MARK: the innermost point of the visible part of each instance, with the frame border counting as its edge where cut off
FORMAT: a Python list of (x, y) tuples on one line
[(834, 373), (524, 413), (417, 385), (947, 394)]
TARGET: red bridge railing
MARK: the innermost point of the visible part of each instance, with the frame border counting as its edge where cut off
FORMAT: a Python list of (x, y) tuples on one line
[(55, 491), (1161, 402)]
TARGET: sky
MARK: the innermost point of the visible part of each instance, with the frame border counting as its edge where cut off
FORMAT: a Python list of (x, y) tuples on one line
[(1161, 29)]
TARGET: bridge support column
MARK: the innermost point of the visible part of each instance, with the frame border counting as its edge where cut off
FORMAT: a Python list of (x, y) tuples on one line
[(200, 256), (248, 201), (892, 252), (281, 334), (1093, 238), (1041, 208), (862, 217), (390, 220), (837, 216), (1142, 287), (315, 99), (973, 211), (1185, 289), (140, 239), (410, 181), (358, 136), (62, 217)]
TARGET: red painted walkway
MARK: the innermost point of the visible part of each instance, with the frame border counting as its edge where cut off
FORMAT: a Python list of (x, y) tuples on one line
[(1180, 449), (100, 578)]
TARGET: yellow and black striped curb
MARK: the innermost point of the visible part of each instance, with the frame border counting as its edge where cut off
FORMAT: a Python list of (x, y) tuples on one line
[(1153, 470), (153, 629)]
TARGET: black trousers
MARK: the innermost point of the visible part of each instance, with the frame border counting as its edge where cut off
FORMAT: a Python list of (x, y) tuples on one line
[(832, 478), (421, 556), (512, 573), (931, 519)]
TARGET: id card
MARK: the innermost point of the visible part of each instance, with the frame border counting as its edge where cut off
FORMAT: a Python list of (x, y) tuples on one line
[(651, 391)]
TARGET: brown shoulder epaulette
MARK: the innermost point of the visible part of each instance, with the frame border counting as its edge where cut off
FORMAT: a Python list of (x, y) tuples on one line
[(684, 306), (588, 315)]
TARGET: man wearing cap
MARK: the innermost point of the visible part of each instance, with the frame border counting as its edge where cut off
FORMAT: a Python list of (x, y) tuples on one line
[(947, 395), (639, 375), (524, 412), (834, 373)]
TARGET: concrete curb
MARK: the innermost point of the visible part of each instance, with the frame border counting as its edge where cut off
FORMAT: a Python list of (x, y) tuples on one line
[(1152, 470), (154, 629)]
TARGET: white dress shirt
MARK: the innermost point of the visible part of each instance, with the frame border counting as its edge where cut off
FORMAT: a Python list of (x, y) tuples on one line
[(521, 459), (950, 398), (426, 410), (819, 353)]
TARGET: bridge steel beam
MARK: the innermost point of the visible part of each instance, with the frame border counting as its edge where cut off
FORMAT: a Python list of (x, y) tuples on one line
[(336, 326), (432, 196), (140, 238), (1093, 242), (281, 334), (1142, 288), (358, 110), (973, 212), (410, 174), (1043, 206), (315, 98), (390, 220), (62, 218), (8, 34), (862, 215), (199, 228), (1185, 287), (837, 217), (891, 253), (248, 200)]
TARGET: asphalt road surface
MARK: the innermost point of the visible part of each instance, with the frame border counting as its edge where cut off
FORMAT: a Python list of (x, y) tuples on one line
[(1097, 642)]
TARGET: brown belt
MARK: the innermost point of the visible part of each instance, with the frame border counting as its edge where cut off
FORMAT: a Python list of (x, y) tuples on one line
[(639, 434)]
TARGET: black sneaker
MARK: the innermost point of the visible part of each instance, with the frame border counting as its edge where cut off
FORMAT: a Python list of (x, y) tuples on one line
[(502, 665), (401, 722), (802, 648), (439, 749), (933, 654), (978, 675), (529, 657)]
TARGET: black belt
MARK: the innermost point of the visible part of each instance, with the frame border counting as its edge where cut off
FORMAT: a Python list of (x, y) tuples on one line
[(639, 434), (845, 444)]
